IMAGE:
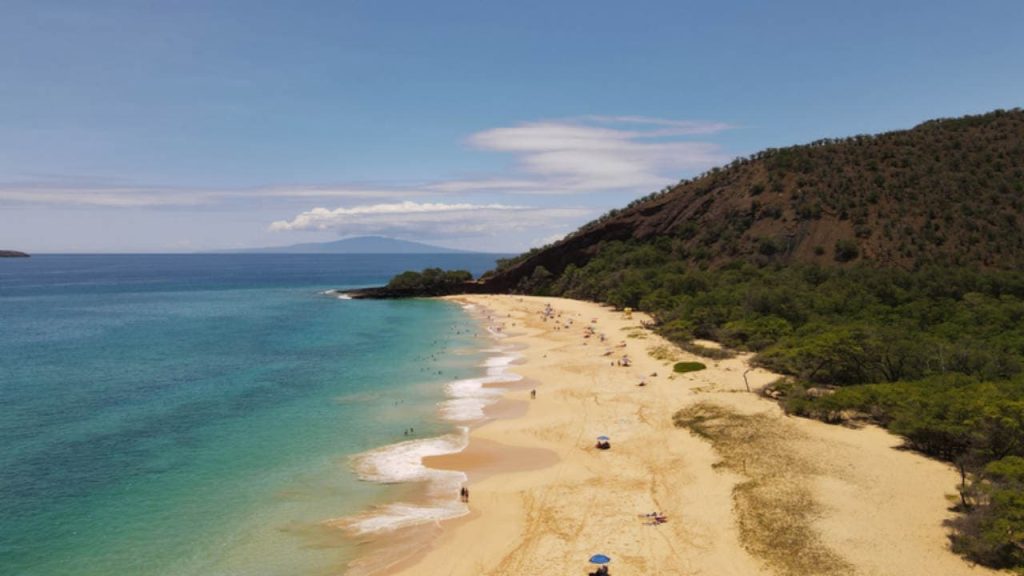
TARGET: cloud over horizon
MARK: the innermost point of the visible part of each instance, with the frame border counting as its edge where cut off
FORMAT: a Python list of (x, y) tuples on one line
[(634, 154), (429, 220), (597, 153), (571, 168), (564, 157)]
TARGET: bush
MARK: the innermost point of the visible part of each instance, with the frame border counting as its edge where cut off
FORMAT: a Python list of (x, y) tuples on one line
[(846, 250), (429, 279), (684, 367)]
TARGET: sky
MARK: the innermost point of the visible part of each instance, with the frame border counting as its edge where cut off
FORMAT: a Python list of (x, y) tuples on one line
[(181, 126)]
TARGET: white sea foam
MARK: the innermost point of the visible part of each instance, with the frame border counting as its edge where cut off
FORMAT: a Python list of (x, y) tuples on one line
[(469, 397), (403, 462), (391, 517)]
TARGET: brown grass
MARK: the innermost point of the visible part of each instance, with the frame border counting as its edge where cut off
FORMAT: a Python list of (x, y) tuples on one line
[(775, 506)]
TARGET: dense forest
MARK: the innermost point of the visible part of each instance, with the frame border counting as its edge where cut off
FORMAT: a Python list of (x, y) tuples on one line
[(878, 273)]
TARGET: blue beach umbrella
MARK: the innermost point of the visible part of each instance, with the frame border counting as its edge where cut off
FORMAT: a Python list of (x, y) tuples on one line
[(603, 438), (599, 559)]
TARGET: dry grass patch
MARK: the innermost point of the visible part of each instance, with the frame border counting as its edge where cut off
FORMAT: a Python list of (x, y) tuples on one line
[(664, 353), (775, 507), (706, 351)]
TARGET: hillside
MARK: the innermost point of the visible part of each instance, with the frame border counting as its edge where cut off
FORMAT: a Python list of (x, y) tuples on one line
[(947, 192)]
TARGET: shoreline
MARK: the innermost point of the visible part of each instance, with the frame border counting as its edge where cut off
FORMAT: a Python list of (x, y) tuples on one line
[(393, 532), (543, 500)]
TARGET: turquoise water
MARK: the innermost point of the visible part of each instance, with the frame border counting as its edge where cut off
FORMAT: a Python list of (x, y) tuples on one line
[(196, 414)]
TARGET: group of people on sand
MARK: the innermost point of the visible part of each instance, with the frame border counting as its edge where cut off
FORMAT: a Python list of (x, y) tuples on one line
[(655, 518), (464, 494), (602, 571)]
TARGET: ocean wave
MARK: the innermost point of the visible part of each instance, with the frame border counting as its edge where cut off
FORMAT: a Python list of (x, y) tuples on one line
[(468, 398), (390, 517), (403, 462), (334, 293)]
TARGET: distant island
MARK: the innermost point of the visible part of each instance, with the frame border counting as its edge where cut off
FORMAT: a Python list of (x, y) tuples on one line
[(354, 245), (12, 254)]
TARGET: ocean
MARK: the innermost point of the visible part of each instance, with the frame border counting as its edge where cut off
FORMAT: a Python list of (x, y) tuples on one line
[(225, 414)]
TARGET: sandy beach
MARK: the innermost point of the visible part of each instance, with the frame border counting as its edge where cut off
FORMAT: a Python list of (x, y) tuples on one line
[(744, 489)]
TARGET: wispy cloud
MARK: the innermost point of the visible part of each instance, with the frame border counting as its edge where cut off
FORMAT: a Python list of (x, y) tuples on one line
[(667, 127), (601, 152), (142, 196), (632, 154), (429, 220)]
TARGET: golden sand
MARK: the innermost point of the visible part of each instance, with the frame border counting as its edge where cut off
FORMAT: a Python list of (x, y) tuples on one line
[(751, 492)]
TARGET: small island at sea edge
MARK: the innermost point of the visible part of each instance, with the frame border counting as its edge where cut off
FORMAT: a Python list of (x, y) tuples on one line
[(12, 254)]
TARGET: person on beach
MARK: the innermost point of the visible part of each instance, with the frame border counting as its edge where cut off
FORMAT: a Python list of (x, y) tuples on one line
[(533, 394)]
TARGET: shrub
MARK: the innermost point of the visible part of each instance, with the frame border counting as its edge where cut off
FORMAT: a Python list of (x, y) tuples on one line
[(684, 367), (846, 250)]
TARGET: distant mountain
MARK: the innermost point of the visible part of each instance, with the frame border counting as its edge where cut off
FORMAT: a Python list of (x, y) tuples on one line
[(12, 254), (356, 245)]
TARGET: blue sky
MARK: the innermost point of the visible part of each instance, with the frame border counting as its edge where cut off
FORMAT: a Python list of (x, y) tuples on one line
[(190, 125)]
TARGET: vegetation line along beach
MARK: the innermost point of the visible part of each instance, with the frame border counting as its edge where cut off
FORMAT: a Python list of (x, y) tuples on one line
[(737, 486)]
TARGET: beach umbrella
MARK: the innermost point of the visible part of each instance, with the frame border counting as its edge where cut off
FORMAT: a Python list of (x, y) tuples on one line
[(605, 438), (599, 559)]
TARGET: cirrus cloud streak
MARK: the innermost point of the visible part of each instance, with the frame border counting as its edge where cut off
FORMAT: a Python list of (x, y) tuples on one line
[(430, 220)]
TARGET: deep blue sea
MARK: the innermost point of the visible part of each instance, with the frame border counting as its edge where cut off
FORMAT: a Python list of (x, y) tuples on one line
[(197, 414)]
